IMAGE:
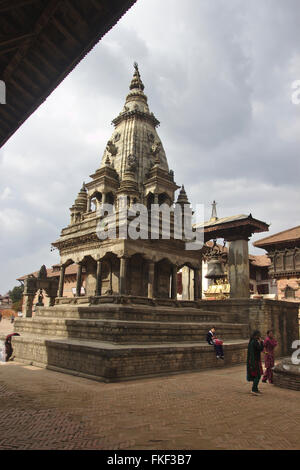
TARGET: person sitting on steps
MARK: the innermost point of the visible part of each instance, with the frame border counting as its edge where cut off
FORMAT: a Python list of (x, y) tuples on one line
[(212, 339)]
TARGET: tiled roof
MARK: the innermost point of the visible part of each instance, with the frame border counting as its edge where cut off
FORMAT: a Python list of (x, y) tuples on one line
[(72, 269), (280, 237), (259, 260)]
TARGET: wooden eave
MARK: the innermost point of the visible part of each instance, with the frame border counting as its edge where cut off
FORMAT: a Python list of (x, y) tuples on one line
[(41, 41)]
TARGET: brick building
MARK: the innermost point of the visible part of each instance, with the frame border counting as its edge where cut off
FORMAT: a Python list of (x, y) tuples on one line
[(283, 249)]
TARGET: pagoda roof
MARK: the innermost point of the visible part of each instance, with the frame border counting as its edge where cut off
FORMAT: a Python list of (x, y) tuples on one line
[(288, 236), (232, 227)]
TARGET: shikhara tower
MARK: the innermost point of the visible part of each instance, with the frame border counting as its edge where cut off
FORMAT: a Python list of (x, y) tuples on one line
[(134, 168)]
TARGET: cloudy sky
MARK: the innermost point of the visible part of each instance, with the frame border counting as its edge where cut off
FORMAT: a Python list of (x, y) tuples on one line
[(218, 75)]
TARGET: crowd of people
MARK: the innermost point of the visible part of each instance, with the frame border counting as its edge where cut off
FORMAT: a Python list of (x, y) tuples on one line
[(254, 364)]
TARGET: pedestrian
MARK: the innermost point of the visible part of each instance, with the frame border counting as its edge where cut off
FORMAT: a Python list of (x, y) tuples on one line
[(0, 316), (12, 318), (254, 367), (270, 344), (212, 339), (8, 345)]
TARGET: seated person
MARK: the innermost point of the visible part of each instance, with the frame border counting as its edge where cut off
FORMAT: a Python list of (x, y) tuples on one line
[(212, 339)]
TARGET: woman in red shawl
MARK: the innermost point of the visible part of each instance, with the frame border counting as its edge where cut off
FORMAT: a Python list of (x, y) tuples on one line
[(270, 344)]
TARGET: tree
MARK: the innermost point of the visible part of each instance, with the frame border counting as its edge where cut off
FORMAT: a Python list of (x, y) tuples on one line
[(16, 293)]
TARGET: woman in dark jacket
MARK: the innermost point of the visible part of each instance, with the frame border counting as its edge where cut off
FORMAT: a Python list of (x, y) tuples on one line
[(254, 366)]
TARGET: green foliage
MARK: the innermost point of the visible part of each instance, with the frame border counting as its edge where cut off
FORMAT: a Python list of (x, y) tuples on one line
[(16, 293)]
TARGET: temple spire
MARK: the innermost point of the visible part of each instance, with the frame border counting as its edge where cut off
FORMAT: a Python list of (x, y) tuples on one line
[(214, 216)]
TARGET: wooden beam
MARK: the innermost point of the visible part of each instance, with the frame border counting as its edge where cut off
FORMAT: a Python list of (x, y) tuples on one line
[(36, 70), (22, 89), (64, 30), (8, 49), (42, 58), (15, 38), (6, 5), (38, 27), (54, 47)]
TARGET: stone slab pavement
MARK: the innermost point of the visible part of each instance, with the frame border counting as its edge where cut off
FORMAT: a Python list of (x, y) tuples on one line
[(213, 409)]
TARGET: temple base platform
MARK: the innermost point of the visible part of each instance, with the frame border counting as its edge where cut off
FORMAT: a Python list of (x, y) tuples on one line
[(121, 338)]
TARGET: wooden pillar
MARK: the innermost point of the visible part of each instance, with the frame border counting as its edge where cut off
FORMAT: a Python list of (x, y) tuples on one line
[(79, 280), (174, 283), (61, 281), (98, 279), (151, 271), (196, 283), (123, 270)]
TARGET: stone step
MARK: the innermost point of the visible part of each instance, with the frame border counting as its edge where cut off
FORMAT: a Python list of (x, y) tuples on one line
[(118, 331), (108, 362), (136, 313)]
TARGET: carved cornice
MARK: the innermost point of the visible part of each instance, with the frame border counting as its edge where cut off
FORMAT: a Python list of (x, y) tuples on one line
[(136, 114)]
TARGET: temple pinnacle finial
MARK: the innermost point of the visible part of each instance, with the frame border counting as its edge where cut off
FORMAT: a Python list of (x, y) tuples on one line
[(214, 216), (136, 82)]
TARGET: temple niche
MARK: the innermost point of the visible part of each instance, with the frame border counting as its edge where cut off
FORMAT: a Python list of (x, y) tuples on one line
[(128, 321)]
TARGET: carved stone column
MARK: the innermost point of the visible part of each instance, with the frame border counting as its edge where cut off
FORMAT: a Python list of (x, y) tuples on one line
[(98, 278), (174, 283), (79, 280), (151, 267), (61, 281), (27, 305), (238, 269), (123, 271)]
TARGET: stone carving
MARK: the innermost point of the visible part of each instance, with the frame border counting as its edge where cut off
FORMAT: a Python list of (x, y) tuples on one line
[(150, 137), (155, 148), (111, 148), (131, 163), (117, 137), (40, 302)]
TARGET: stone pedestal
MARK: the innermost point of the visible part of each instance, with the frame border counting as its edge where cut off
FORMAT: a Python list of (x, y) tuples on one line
[(286, 374), (238, 269)]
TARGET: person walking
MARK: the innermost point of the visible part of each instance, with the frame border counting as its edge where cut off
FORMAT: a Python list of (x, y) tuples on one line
[(0, 316), (8, 346), (270, 344), (254, 367)]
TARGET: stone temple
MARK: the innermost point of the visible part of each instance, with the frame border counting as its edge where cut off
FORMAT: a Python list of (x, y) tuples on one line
[(129, 323)]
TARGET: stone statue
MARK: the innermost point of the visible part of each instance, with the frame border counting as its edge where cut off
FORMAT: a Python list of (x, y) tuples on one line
[(155, 148), (111, 148), (131, 163), (40, 302)]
